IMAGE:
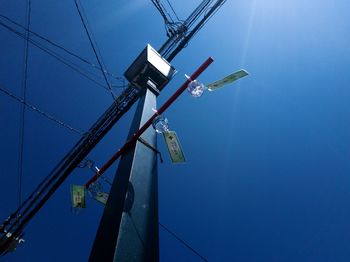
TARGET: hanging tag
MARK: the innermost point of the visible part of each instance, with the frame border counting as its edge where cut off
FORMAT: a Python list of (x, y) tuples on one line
[(101, 197), (78, 196), (227, 80), (174, 147)]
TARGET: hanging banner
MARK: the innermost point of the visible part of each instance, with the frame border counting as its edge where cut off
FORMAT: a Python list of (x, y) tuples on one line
[(174, 147), (78, 196)]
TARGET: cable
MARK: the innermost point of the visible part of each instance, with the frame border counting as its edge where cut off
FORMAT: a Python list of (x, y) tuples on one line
[(24, 97), (19, 219), (32, 205), (182, 241), (166, 12), (171, 26), (208, 14), (173, 10), (103, 66), (34, 108), (55, 55), (136, 230), (60, 47), (94, 48), (180, 39), (211, 15), (160, 10)]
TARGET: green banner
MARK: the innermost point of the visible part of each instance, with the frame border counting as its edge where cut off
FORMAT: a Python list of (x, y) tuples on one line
[(174, 147), (78, 196)]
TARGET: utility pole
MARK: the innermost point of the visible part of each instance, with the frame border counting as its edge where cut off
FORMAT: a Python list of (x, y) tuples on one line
[(128, 230), (12, 228), (118, 237), (132, 235)]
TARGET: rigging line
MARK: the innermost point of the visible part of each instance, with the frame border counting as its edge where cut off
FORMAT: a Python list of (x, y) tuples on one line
[(94, 48), (66, 62), (60, 47), (34, 108), (24, 97), (182, 241)]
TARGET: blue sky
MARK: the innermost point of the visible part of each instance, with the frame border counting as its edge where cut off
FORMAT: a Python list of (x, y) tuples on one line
[(267, 172)]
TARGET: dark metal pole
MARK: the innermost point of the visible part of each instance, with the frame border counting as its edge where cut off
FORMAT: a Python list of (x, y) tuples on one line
[(132, 235), (142, 129)]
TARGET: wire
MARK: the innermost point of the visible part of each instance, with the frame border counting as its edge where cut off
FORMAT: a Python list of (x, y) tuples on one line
[(60, 47), (55, 55), (21, 217), (182, 241), (173, 10), (173, 27), (94, 47), (136, 230), (211, 15), (32, 205), (208, 12), (160, 10), (179, 40), (34, 108), (24, 96), (166, 12), (103, 66)]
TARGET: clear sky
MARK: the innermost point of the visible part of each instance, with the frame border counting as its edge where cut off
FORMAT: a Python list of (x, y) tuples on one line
[(267, 172)]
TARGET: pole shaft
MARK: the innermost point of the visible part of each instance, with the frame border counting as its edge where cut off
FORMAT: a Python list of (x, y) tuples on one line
[(137, 134)]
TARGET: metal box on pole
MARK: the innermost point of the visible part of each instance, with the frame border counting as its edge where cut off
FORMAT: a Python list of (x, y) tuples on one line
[(150, 70)]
